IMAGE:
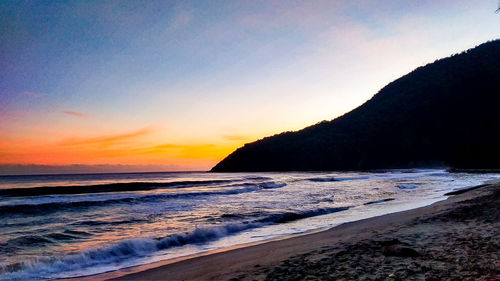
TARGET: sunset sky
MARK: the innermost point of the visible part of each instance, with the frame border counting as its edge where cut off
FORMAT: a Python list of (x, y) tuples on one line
[(178, 85)]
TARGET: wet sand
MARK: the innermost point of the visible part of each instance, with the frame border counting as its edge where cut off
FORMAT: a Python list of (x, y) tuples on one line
[(455, 239)]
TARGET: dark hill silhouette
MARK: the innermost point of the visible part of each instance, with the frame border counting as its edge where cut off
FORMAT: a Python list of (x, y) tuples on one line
[(446, 113)]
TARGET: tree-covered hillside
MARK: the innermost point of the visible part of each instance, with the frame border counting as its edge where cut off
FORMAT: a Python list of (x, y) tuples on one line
[(446, 113)]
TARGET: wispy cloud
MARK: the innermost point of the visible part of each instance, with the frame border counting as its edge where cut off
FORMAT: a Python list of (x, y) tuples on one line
[(74, 113), (106, 140)]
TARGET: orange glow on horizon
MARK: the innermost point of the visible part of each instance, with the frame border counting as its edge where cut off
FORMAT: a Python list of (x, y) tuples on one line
[(133, 148)]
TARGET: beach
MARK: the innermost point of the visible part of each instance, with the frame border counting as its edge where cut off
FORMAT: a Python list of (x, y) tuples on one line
[(66, 226), (454, 239), (218, 140)]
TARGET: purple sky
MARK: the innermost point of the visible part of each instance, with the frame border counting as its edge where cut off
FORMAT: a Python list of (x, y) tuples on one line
[(183, 83)]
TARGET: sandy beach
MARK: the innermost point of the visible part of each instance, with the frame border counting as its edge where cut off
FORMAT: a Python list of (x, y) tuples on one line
[(454, 239)]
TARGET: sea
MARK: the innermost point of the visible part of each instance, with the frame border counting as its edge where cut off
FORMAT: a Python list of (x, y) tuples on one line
[(59, 226)]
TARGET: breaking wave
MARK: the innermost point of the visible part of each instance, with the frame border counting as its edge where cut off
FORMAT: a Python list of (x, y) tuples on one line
[(111, 257), (104, 188), (44, 208), (336, 179)]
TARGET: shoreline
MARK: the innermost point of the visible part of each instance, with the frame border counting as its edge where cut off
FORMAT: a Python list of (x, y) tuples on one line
[(263, 259), (112, 275)]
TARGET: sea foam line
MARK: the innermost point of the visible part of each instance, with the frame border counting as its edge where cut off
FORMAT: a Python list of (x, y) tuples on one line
[(110, 257)]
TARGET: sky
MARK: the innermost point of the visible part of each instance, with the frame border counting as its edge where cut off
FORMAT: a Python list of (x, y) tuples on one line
[(178, 85)]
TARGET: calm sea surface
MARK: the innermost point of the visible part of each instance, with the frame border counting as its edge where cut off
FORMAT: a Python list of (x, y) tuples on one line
[(74, 225)]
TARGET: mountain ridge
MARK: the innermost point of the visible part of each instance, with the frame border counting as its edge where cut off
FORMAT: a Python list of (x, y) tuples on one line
[(444, 113)]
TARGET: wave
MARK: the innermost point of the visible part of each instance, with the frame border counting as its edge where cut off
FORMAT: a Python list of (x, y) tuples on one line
[(77, 233), (33, 240), (59, 236), (258, 178), (281, 217), (104, 188), (116, 222), (293, 216), (407, 186), (116, 253), (379, 201), (353, 179), (39, 240), (322, 179), (45, 208), (129, 249), (336, 179), (29, 240), (270, 185)]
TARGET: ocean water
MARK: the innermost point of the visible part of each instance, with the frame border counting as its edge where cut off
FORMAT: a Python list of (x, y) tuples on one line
[(58, 226)]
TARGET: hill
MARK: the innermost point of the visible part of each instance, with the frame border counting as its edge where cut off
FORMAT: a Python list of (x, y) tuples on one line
[(446, 113)]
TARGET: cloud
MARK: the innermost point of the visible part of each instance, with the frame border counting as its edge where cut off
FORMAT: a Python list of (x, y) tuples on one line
[(74, 113), (106, 140)]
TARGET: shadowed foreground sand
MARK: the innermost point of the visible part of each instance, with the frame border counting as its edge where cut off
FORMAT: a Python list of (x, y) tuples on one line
[(455, 239)]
